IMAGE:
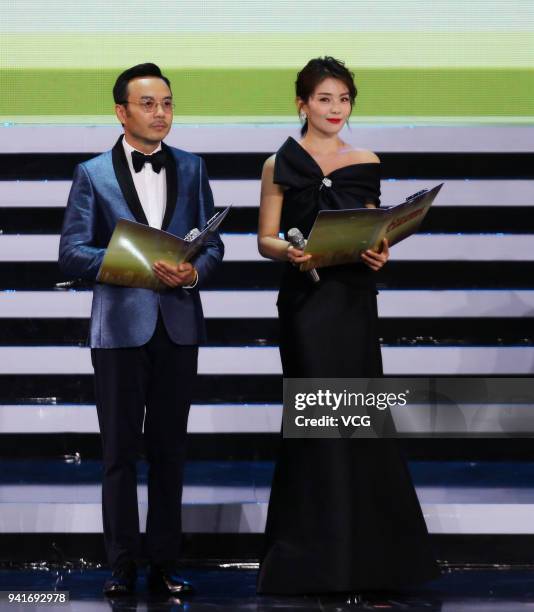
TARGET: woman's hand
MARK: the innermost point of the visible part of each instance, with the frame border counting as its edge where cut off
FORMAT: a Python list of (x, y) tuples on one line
[(376, 260), (296, 256)]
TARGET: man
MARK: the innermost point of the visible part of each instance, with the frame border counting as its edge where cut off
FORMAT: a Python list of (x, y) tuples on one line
[(144, 344)]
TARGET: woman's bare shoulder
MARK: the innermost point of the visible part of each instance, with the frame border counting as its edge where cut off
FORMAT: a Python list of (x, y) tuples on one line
[(362, 156), (268, 168), (269, 162), (267, 175)]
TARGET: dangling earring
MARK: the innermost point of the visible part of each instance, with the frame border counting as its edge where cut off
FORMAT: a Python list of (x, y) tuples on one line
[(302, 116)]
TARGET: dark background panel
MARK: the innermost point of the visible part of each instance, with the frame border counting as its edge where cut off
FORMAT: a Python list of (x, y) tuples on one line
[(421, 331), (448, 219), (61, 550), (262, 447), (79, 389), (434, 166), (266, 275)]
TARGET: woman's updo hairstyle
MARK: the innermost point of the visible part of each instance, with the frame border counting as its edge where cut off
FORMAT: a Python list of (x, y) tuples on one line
[(315, 72)]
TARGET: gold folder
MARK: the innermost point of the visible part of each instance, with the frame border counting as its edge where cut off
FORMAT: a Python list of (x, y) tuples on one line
[(340, 236), (135, 247)]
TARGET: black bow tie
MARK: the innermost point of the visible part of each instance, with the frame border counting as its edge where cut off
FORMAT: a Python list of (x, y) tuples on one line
[(157, 160)]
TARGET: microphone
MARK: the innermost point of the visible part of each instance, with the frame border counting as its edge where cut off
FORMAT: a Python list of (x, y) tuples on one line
[(67, 284), (296, 239), (190, 236)]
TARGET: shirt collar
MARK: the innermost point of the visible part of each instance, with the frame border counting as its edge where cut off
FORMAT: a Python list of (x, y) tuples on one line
[(128, 149)]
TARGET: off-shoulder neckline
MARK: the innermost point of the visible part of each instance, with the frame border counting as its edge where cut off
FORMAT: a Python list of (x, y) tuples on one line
[(312, 159)]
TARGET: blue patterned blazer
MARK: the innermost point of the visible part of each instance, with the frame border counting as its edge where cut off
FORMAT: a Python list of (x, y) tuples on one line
[(102, 192)]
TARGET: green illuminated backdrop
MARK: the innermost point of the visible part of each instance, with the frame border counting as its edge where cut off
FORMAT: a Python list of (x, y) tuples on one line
[(446, 60)]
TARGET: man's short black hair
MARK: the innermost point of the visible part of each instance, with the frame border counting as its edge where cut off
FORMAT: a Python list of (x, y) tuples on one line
[(120, 89)]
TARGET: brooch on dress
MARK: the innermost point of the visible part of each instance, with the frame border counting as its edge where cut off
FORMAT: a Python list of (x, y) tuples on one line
[(326, 182)]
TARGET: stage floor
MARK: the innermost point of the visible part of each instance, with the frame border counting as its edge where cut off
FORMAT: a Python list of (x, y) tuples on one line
[(219, 588)]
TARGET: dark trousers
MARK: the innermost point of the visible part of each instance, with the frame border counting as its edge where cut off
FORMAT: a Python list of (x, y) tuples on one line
[(154, 383)]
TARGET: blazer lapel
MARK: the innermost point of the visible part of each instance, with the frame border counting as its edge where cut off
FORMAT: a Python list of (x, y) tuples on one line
[(124, 178), (172, 186)]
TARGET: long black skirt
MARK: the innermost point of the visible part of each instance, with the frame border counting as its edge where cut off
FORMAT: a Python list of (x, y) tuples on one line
[(343, 514)]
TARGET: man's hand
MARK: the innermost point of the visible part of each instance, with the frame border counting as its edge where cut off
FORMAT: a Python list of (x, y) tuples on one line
[(376, 260), (175, 275)]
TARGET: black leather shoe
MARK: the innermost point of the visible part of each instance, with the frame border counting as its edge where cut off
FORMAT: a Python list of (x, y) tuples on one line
[(166, 580), (122, 581)]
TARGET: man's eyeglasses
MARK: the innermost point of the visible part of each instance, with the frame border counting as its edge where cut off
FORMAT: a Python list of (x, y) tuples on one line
[(149, 105)]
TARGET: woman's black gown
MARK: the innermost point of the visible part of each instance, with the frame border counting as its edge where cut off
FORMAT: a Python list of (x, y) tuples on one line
[(343, 514)]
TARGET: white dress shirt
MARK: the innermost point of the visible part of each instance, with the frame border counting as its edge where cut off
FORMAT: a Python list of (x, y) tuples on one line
[(151, 187)]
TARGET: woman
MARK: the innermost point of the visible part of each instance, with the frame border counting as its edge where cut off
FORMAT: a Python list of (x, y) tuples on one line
[(343, 514)]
